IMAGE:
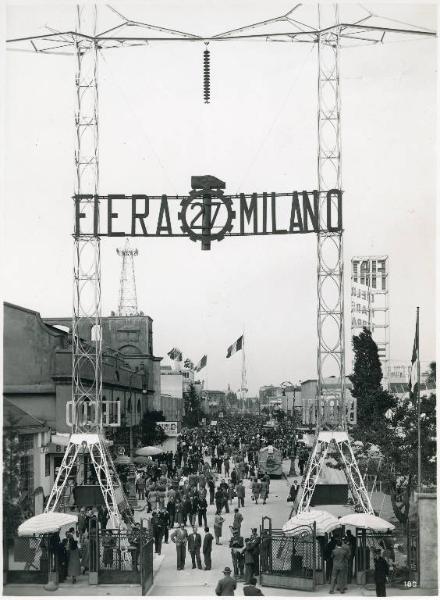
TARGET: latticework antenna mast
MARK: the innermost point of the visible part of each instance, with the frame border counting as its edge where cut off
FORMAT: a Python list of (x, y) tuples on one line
[(127, 288)]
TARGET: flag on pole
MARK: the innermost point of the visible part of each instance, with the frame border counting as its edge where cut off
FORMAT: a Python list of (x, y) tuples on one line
[(188, 364), (175, 354), (414, 359), (236, 346), (202, 363)]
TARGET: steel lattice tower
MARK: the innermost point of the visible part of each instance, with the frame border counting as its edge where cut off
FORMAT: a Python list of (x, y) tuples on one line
[(329, 34), (127, 288)]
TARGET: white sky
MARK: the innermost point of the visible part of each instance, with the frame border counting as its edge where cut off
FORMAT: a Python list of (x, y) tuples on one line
[(258, 134)]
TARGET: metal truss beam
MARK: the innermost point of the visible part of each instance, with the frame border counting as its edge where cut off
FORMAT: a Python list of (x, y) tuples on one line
[(86, 358), (297, 25), (330, 280), (340, 442), (87, 428)]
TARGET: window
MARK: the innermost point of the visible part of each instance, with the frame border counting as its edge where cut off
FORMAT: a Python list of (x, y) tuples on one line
[(27, 473), (139, 406), (26, 441), (47, 465)]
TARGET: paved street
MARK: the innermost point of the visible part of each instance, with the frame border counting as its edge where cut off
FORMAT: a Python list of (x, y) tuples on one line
[(195, 582)]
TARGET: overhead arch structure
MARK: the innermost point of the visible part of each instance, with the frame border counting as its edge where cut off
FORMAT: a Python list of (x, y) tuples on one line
[(330, 30)]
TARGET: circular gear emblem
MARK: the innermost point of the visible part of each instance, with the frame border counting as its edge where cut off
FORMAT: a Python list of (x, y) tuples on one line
[(210, 221)]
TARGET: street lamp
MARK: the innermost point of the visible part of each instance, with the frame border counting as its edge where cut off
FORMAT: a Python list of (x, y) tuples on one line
[(283, 386)]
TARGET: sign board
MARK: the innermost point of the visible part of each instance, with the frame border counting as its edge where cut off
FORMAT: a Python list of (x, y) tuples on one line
[(220, 415), (362, 306), (214, 423), (169, 427), (207, 214)]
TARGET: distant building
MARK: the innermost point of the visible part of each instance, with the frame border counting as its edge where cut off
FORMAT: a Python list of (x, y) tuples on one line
[(284, 398), (370, 304), (399, 381), (37, 374), (173, 385), (329, 404), (214, 402)]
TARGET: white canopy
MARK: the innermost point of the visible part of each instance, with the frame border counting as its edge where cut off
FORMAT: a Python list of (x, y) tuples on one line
[(366, 521), (46, 523), (149, 451), (325, 522)]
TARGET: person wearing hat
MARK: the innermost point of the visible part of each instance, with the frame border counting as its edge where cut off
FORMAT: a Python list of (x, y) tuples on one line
[(255, 540), (226, 585), (236, 544), (381, 571), (251, 588)]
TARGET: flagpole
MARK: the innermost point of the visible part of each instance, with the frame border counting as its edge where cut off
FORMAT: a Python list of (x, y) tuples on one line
[(243, 373), (419, 432)]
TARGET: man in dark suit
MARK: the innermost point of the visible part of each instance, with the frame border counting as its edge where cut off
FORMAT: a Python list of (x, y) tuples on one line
[(207, 549), (381, 571), (251, 589), (201, 510), (226, 585), (236, 544), (194, 546)]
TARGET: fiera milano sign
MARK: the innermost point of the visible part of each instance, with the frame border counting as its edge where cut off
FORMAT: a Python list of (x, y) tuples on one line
[(207, 213)]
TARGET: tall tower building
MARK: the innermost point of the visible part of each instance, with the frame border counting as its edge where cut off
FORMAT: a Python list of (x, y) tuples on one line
[(370, 304)]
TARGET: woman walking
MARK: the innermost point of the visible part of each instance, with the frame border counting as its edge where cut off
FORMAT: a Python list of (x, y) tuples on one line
[(73, 564), (85, 553), (218, 523), (256, 487), (264, 490)]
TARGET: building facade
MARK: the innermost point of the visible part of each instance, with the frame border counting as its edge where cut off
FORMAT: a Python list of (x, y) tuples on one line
[(37, 372), (370, 304), (329, 404)]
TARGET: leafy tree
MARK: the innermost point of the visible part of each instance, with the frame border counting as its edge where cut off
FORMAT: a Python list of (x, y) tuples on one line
[(193, 407), (390, 426), (431, 380), (401, 450), (373, 402), (13, 495), (150, 433)]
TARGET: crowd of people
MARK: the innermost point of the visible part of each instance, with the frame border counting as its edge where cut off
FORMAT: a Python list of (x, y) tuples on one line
[(218, 468)]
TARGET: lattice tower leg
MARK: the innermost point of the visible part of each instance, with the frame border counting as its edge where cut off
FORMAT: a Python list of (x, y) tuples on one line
[(330, 322), (316, 461), (354, 477), (106, 475), (69, 460), (86, 356), (87, 352), (312, 472), (107, 479)]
